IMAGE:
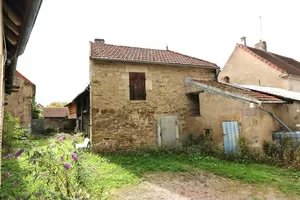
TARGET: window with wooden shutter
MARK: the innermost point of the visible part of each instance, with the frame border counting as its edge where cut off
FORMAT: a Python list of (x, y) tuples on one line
[(137, 86)]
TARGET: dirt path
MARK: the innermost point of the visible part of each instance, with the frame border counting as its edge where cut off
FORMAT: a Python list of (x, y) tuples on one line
[(196, 185)]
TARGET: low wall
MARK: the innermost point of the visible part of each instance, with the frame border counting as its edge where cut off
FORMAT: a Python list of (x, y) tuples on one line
[(58, 124)]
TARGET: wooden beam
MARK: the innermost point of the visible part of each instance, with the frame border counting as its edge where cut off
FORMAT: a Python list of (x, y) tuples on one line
[(12, 38), (12, 15), (9, 24)]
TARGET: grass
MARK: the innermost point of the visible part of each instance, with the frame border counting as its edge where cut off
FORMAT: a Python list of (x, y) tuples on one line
[(117, 170)]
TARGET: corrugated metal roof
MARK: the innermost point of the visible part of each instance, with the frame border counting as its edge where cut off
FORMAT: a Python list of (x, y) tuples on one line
[(274, 91)]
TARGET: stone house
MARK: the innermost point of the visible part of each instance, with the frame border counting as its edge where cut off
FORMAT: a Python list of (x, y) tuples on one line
[(137, 95), (241, 111), (57, 119), (17, 20), (19, 103), (257, 66)]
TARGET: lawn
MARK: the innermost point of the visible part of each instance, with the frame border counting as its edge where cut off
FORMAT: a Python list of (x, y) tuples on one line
[(114, 171)]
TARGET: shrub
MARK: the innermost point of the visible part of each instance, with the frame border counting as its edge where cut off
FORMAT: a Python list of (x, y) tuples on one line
[(12, 132), (57, 171), (201, 143)]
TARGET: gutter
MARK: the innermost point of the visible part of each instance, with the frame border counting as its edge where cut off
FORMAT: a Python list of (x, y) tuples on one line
[(276, 118), (32, 13), (153, 63)]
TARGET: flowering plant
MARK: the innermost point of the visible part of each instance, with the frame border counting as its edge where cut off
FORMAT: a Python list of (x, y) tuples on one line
[(57, 171)]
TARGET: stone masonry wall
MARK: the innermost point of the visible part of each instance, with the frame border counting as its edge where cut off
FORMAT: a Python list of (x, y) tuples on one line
[(20, 103), (118, 123)]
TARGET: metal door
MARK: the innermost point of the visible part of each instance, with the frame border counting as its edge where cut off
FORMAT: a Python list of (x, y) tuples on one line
[(169, 129), (231, 135)]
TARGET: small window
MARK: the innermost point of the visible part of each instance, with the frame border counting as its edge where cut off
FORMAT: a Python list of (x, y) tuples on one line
[(195, 103), (226, 79), (137, 86)]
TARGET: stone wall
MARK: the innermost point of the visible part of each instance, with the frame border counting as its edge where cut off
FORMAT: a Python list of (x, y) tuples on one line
[(20, 103), (60, 124), (118, 123), (255, 124)]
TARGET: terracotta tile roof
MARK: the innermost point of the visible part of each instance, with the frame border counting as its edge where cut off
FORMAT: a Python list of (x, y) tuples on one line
[(24, 78), (100, 50), (55, 112), (279, 62), (240, 91)]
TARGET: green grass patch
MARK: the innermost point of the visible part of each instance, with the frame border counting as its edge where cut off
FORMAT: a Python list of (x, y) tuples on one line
[(113, 171)]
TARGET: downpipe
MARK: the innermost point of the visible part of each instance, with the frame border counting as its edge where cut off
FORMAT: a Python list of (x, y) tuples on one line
[(276, 118)]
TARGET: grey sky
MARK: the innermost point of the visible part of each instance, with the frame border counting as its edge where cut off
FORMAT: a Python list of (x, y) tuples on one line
[(56, 57)]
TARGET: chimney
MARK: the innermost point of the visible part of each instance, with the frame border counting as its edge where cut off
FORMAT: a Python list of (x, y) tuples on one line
[(100, 41), (262, 45), (167, 47), (243, 39)]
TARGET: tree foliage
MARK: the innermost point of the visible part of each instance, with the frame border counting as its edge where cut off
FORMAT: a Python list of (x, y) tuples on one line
[(57, 104), (36, 111)]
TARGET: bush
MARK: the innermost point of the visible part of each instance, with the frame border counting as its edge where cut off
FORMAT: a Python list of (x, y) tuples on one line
[(12, 132), (57, 171), (49, 132)]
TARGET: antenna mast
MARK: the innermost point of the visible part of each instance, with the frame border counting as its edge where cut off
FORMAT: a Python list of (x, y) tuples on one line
[(261, 33)]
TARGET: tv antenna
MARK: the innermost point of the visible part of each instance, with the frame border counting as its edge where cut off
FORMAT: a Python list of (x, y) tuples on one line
[(261, 32)]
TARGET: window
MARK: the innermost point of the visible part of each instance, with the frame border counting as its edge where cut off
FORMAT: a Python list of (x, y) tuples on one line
[(137, 86), (226, 79), (195, 103)]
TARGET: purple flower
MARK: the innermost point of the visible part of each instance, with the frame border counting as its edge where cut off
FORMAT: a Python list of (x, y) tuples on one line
[(52, 146), (38, 195), (62, 158), (74, 156), (67, 166), (19, 153), (60, 139), (8, 156)]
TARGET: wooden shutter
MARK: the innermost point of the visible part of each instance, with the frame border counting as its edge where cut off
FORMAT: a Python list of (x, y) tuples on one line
[(137, 86)]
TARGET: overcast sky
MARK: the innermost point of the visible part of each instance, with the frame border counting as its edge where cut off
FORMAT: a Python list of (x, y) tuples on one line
[(56, 56)]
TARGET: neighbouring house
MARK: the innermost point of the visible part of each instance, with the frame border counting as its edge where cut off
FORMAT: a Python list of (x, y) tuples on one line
[(257, 66), (79, 109), (19, 103), (39, 105), (57, 119), (230, 111), (71, 110), (137, 95), (18, 18)]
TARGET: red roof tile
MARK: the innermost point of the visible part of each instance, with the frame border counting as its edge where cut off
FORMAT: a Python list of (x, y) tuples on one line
[(24, 78), (55, 112), (100, 50), (279, 62), (241, 91)]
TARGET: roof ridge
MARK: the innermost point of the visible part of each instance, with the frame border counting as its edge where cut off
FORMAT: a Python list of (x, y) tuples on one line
[(129, 46)]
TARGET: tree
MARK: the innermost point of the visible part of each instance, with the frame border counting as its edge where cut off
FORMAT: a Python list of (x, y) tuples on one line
[(58, 104), (36, 111)]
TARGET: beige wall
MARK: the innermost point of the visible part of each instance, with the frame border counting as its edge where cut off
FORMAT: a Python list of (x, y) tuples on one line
[(244, 68), (255, 125), (117, 122), (290, 115), (294, 83), (20, 103)]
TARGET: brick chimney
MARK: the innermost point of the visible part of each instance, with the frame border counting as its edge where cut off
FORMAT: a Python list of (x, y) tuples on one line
[(101, 41), (262, 45)]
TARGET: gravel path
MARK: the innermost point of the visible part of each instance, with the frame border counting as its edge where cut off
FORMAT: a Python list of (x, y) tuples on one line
[(196, 185)]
